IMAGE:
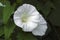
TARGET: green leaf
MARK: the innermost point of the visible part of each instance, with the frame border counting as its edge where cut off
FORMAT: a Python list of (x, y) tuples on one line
[(1, 22), (3, 1), (45, 8), (25, 36), (8, 29), (1, 17), (54, 17), (7, 11), (1, 30), (19, 1)]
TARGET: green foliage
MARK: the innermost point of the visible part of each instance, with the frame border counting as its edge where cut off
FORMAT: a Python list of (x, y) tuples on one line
[(1, 26), (8, 29), (19, 1), (3, 1), (25, 36), (8, 24), (7, 11), (1, 30), (55, 14), (45, 8)]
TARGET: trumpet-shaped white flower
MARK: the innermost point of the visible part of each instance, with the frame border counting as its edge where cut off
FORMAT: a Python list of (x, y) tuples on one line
[(30, 20), (2, 4)]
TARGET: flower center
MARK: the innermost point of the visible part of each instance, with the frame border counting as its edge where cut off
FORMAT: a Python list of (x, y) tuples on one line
[(24, 17)]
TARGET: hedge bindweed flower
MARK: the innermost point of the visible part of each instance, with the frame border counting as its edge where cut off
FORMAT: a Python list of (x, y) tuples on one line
[(2, 4), (30, 20)]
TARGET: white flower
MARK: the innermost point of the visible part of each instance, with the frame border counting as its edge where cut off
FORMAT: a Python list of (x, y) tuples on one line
[(30, 20), (2, 4)]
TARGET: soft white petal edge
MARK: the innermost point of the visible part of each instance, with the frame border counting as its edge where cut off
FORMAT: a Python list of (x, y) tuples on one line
[(42, 20), (2, 4), (28, 27), (20, 10), (40, 30)]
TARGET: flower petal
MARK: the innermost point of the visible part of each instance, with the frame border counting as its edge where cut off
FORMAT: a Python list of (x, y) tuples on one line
[(42, 20), (18, 22), (34, 17), (29, 8), (17, 17), (29, 26), (40, 30), (25, 8)]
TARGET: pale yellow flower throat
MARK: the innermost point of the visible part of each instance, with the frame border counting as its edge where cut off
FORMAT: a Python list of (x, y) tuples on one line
[(24, 17)]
